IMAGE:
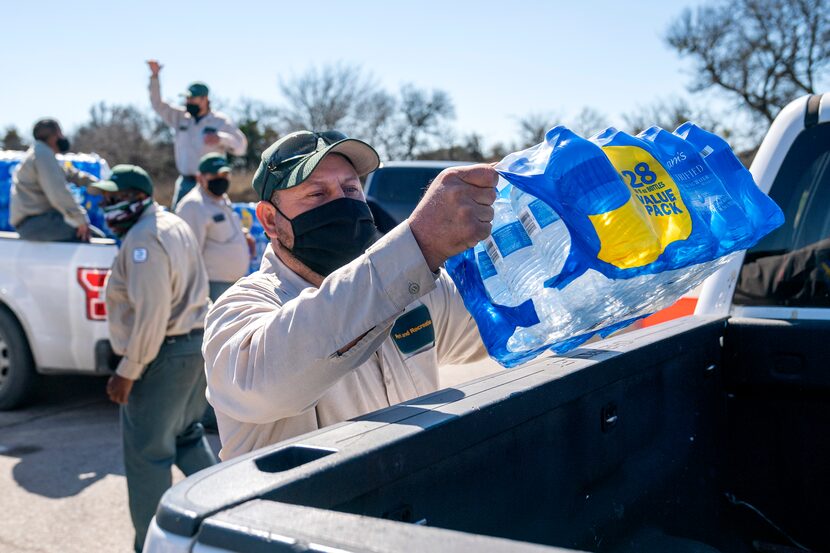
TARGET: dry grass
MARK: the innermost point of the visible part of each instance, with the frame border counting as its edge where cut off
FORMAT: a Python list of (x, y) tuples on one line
[(240, 190)]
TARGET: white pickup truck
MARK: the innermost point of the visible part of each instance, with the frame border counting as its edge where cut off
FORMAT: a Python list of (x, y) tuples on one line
[(52, 311), (705, 433)]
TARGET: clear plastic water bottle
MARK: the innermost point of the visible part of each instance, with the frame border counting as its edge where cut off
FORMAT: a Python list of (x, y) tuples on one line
[(521, 268), (590, 299), (496, 288), (545, 228)]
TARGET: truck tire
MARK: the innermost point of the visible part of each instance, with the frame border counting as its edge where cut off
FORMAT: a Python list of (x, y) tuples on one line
[(17, 367)]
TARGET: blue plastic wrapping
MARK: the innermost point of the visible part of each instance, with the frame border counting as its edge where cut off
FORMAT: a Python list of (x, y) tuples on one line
[(98, 167), (764, 215), (648, 218)]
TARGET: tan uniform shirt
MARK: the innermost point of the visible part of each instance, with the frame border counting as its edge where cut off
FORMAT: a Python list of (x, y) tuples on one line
[(218, 231), (158, 287), (40, 186), (271, 343), (189, 145)]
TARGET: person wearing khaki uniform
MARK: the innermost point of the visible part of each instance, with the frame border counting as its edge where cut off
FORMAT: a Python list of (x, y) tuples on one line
[(225, 245), (156, 303), (42, 206), (337, 323), (198, 130)]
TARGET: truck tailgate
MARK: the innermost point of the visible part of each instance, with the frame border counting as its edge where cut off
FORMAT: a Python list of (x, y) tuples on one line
[(567, 452)]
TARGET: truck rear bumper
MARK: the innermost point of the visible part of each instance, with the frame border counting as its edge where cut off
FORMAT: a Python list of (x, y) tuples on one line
[(105, 361)]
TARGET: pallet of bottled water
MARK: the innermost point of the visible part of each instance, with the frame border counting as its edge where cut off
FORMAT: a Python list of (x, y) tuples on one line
[(590, 235)]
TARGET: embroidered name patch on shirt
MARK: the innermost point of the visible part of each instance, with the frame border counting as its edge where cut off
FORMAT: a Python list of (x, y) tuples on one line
[(413, 332), (140, 255)]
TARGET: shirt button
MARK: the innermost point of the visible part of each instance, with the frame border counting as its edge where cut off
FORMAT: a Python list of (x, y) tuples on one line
[(414, 288)]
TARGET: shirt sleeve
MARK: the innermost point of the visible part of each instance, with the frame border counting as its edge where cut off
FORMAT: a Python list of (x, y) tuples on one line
[(458, 340), (149, 293), (52, 180), (195, 218), (81, 178), (267, 360), (168, 113), (231, 138)]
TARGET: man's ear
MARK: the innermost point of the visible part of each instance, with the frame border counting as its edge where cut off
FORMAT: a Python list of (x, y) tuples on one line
[(267, 215)]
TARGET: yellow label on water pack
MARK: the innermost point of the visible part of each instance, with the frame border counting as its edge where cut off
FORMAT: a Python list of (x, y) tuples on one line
[(626, 238), (655, 203)]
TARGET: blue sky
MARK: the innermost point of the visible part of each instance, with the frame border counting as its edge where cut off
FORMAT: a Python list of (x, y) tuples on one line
[(498, 60)]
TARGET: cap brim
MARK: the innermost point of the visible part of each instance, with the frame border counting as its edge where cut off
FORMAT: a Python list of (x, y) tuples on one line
[(102, 186), (363, 158)]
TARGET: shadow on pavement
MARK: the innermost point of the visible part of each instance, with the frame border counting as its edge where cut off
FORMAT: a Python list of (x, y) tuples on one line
[(67, 439)]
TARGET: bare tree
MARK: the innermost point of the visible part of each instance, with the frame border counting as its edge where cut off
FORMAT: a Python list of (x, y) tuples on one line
[(588, 122), (126, 134), (335, 96), (421, 118), (533, 126), (765, 52)]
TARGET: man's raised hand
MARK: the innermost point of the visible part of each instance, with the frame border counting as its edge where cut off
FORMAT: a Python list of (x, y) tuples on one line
[(456, 212), (154, 66)]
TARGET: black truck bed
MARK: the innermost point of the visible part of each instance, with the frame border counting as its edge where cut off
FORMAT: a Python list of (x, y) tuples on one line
[(645, 442)]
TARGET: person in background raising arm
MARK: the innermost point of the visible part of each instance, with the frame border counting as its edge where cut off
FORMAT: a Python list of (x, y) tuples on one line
[(198, 130)]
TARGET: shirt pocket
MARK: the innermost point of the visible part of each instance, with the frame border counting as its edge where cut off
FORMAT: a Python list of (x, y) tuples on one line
[(221, 228)]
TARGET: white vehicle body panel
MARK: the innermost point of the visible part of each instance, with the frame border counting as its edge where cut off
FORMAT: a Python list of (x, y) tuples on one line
[(716, 294), (39, 284)]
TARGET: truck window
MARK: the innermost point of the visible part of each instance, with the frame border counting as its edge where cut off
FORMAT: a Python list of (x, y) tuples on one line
[(402, 184), (791, 265)]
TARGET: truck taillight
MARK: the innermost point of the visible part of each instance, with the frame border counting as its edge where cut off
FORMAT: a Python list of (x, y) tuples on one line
[(94, 281)]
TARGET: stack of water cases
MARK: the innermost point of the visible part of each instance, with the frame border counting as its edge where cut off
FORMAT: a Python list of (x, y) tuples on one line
[(592, 234), (91, 163), (247, 214), (95, 165)]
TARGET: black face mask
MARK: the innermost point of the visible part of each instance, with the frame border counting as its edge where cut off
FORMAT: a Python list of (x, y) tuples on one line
[(63, 145), (192, 109), (333, 234), (218, 186)]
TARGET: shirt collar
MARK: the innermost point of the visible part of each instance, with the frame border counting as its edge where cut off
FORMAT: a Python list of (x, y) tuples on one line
[(149, 211), (272, 264)]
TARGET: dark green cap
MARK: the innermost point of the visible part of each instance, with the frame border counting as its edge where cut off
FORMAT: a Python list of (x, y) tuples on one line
[(290, 160), (197, 88), (214, 164), (124, 177)]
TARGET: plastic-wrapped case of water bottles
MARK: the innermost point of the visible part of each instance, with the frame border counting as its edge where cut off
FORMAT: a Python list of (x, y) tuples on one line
[(590, 235)]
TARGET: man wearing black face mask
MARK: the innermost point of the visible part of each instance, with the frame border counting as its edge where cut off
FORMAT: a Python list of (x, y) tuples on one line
[(199, 130), (207, 210), (42, 207), (339, 322)]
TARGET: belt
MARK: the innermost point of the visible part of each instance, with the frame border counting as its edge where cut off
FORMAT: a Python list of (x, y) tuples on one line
[(192, 335)]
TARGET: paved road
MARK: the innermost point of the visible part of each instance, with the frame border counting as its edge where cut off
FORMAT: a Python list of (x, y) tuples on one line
[(62, 486)]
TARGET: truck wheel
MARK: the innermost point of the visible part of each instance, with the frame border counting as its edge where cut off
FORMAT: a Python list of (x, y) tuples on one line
[(17, 368)]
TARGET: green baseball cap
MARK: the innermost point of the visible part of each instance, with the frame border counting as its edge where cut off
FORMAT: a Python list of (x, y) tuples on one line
[(124, 177), (214, 163), (289, 161), (197, 88)]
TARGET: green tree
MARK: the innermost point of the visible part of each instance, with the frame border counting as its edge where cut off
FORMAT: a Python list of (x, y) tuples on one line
[(12, 140)]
